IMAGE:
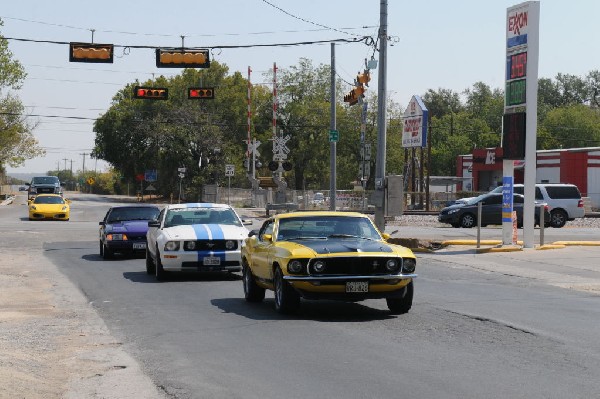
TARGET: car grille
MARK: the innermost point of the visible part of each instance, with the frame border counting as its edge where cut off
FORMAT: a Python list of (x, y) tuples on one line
[(136, 237), (45, 190), (211, 245), (199, 265), (350, 266)]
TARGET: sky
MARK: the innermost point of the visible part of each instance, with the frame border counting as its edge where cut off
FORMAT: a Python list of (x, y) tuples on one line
[(433, 44)]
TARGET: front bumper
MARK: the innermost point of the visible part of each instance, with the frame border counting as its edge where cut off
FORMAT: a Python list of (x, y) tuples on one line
[(49, 215), (334, 287), (127, 245), (198, 261)]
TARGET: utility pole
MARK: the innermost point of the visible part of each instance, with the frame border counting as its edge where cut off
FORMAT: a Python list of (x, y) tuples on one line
[(379, 194), (83, 167), (65, 159), (333, 143)]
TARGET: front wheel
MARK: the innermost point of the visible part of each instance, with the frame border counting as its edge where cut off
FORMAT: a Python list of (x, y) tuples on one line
[(401, 305), (252, 292), (467, 220), (107, 253), (558, 218), (159, 272), (150, 266), (286, 299)]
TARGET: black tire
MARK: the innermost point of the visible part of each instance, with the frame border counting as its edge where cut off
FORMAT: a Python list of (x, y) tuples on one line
[(252, 292), (159, 272), (286, 299), (150, 266), (401, 305), (455, 225), (107, 253), (468, 220), (558, 218), (101, 249)]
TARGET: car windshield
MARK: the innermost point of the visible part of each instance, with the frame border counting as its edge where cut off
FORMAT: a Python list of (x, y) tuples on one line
[(45, 180), (133, 213), (40, 199), (475, 200), (198, 215), (307, 227)]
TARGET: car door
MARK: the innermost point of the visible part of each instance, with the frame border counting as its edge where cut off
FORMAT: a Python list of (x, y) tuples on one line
[(103, 227), (261, 252), (491, 211)]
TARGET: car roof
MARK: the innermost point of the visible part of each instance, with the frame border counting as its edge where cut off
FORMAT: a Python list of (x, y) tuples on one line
[(197, 205), (134, 206), (319, 213), (49, 195)]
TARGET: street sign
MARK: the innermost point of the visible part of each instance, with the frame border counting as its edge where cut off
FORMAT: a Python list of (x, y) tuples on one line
[(181, 175), (334, 136), (91, 180), (150, 175), (229, 170), (181, 170)]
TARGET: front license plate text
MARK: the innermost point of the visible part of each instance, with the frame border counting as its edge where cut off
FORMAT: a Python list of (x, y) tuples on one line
[(357, 286), (139, 245), (211, 261)]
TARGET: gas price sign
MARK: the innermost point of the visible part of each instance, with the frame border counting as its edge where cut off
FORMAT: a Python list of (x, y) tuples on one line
[(516, 66)]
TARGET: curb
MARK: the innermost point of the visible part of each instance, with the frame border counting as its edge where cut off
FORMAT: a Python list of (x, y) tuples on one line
[(582, 243)]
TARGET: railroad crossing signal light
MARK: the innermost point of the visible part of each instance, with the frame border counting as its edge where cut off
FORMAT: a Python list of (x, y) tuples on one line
[(150, 93), (90, 52), (363, 78), (182, 58), (201, 93)]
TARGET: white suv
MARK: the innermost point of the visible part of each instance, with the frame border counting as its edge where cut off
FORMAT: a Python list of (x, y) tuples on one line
[(564, 201)]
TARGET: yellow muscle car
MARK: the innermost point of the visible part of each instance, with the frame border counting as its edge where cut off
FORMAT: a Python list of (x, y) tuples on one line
[(326, 255)]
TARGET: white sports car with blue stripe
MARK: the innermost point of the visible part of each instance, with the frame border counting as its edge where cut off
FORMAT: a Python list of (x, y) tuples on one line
[(199, 237)]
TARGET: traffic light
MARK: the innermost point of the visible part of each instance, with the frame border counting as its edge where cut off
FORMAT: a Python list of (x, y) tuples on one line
[(150, 93), (90, 52), (354, 94), (182, 58), (363, 78), (201, 93)]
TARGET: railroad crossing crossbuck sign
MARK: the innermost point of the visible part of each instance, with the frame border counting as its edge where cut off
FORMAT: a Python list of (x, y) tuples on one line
[(280, 150)]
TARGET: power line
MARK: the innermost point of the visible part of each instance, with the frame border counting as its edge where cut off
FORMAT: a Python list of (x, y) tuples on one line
[(324, 28), (306, 20)]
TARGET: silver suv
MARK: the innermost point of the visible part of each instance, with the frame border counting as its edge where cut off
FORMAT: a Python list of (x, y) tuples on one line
[(564, 201)]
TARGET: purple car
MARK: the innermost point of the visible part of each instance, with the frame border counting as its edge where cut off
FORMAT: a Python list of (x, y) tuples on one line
[(124, 229)]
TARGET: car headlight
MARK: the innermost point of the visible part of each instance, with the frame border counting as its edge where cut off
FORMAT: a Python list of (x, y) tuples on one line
[(116, 237), (319, 266), (230, 244), (64, 208), (172, 246), (409, 265), (392, 265), (295, 267), (451, 211), (189, 245)]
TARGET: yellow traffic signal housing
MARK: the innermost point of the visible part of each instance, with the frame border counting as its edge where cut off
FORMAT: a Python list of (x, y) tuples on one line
[(182, 58), (354, 94), (90, 52), (201, 93), (363, 78), (150, 93)]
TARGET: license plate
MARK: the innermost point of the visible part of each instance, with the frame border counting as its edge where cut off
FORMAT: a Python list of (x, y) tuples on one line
[(211, 261), (357, 286), (139, 245)]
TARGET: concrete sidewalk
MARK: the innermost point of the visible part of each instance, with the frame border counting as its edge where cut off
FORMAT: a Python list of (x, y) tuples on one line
[(573, 267)]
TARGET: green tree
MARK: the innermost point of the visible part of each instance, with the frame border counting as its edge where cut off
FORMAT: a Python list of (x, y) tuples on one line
[(16, 139)]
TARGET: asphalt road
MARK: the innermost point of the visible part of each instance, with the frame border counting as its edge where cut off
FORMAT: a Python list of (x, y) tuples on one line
[(471, 333)]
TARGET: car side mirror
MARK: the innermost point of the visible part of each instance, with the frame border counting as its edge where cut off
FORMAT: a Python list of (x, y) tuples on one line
[(268, 237), (246, 222), (68, 201), (252, 233), (385, 236), (28, 184), (153, 223), (102, 223)]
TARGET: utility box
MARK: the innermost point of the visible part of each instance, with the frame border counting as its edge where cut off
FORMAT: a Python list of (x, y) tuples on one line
[(394, 190), (210, 193)]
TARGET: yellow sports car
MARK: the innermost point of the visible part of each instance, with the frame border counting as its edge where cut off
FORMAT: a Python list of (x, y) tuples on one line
[(326, 255), (49, 206)]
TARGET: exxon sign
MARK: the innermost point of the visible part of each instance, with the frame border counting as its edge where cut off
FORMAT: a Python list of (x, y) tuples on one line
[(516, 29)]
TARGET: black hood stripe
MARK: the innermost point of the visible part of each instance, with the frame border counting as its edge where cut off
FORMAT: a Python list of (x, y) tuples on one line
[(338, 245)]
